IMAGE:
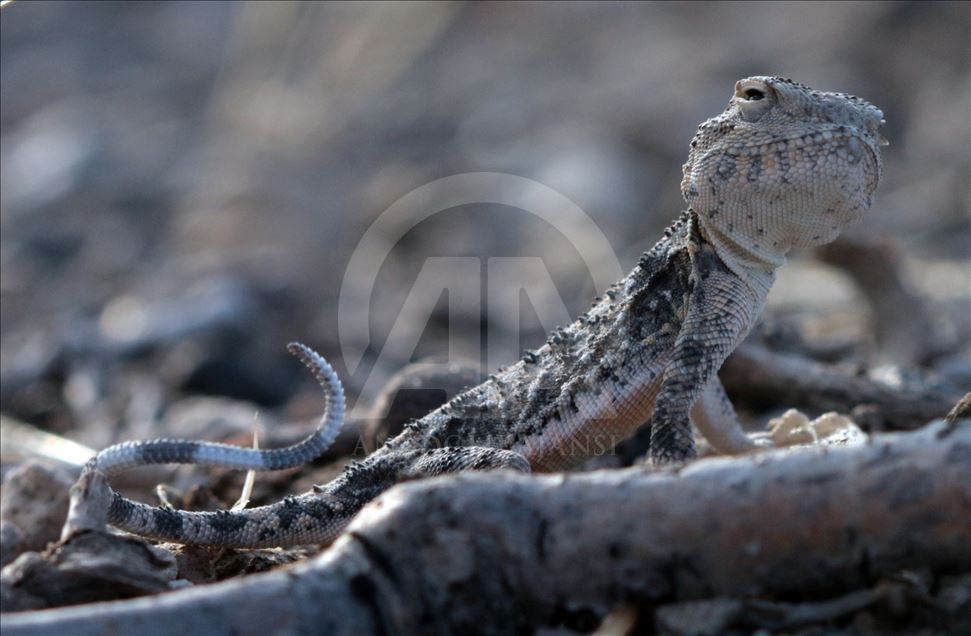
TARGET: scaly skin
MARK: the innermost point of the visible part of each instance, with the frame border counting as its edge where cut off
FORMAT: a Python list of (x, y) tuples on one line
[(784, 166)]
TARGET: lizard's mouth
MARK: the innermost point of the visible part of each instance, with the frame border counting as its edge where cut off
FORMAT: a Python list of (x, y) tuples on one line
[(877, 134), (874, 140), (872, 143)]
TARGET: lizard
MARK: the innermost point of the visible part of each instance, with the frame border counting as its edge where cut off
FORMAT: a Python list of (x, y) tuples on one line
[(784, 166)]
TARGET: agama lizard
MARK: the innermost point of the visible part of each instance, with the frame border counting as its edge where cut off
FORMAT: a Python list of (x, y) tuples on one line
[(783, 166)]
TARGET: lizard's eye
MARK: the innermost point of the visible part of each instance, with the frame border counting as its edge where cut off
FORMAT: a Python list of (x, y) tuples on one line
[(754, 99)]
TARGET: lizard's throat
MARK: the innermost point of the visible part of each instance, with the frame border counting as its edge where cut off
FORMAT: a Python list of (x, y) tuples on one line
[(751, 255)]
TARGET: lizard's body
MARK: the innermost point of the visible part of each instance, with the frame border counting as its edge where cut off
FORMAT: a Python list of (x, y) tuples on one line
[(783, 167)]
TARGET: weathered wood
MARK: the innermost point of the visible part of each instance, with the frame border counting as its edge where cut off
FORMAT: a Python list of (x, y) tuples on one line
[(502, 552), (754, 371), (875, 263)]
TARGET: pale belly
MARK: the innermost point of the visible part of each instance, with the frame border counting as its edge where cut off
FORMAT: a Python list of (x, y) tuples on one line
[(602, 421)]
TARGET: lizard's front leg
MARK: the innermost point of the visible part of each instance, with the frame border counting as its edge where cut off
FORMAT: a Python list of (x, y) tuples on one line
[(720, 312)]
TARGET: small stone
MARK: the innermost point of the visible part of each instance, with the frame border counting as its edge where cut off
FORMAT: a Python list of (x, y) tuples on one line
[(35, 499), (11, 539), (698, 618)]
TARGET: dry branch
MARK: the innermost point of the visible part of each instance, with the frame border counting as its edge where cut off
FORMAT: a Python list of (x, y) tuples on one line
[(754, 371), (503, 552), (901, 319)]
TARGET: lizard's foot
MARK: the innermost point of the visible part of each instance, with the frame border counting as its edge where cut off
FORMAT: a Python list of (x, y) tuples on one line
[(761, 442), (754, 443), (830, 429)]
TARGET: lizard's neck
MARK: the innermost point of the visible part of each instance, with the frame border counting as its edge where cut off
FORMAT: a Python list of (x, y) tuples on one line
[(747, 248)]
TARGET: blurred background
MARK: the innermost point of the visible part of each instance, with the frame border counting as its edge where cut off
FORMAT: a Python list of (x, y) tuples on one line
[(183, 184)]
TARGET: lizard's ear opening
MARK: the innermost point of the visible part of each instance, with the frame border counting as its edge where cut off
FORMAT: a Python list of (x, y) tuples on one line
[(754, 98)]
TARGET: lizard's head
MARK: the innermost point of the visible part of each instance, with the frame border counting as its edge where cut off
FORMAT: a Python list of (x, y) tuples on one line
[(783, 166)]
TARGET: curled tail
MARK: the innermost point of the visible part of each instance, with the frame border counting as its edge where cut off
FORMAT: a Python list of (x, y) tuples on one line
[(127, 455), (246, 528)]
